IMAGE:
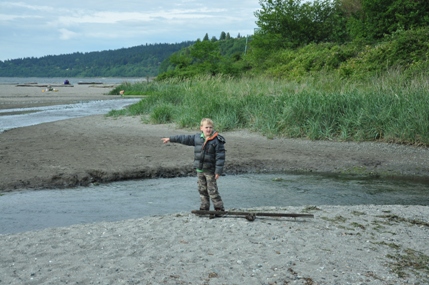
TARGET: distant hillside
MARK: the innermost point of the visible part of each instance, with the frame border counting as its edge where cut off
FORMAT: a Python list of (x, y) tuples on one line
[(139, 61)]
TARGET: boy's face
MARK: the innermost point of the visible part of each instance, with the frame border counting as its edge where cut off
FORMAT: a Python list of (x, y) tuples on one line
[(207, 129)]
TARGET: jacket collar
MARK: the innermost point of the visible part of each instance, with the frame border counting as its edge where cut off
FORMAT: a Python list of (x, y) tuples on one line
[(209, 138)]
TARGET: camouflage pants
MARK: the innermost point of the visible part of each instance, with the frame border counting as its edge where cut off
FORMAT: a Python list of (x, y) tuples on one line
[(207, 187)]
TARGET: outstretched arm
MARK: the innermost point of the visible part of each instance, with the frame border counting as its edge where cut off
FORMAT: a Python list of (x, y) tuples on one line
[(182, 139)]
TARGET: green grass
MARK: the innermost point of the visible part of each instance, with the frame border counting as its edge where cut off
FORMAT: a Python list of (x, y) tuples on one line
[(389, 108)]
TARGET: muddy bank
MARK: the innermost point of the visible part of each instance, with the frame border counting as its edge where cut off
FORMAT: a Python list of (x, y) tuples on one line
[(100, 149)]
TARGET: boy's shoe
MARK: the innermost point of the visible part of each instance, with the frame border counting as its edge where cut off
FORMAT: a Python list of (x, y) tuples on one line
[(219, 210), (212, 216)]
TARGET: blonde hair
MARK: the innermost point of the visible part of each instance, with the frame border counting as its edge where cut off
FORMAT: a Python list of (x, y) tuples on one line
[(206, 120)]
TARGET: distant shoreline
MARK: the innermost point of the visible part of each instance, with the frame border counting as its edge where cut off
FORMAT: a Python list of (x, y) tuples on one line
[(73, 80)]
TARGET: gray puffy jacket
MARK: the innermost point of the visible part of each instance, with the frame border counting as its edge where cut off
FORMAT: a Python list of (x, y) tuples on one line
[(211, 157)]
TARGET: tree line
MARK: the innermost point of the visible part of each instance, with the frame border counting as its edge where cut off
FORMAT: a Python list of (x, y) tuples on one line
[(138, 61), (296, 37), (291, 24)]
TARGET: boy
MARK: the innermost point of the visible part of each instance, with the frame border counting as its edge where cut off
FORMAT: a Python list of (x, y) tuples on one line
[(209, 158)]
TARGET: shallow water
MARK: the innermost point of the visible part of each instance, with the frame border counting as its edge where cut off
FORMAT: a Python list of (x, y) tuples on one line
[(23, 117), (33, 210)]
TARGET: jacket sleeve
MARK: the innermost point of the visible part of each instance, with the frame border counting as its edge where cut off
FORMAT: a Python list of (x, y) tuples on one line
[(183, 139), (220, 157)]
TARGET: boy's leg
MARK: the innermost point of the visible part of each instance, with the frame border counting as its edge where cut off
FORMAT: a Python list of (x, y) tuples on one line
[(202, 189), (213, 191)]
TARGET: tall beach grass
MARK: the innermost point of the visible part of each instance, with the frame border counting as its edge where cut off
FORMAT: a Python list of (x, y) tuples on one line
[(390, 108)]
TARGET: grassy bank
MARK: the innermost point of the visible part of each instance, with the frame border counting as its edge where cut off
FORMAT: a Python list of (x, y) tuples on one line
[(391, 108)]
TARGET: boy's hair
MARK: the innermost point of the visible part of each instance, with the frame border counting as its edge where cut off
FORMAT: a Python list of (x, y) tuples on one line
[(206, 120)]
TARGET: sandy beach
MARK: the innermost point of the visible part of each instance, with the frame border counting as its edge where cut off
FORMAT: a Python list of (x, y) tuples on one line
[(340, 245)]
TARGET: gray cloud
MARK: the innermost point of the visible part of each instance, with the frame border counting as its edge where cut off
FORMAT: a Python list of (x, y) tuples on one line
[(34, 28)]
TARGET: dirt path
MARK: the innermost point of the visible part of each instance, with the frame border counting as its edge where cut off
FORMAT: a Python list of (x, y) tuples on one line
[(98, 149)]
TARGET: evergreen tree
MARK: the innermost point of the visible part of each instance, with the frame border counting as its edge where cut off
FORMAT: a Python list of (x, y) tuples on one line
[(222, 36), (206, 37)]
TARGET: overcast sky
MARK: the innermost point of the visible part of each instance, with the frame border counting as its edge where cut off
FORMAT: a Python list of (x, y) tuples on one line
[(35, 28)]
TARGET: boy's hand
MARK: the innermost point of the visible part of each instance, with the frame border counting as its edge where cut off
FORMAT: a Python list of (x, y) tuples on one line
[(165, 140), (217, 176)]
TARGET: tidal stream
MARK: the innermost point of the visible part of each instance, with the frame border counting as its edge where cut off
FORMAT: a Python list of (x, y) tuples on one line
[(38, 209)]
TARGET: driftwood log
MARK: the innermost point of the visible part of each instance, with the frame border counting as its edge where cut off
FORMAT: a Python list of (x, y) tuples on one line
[(250, 216)]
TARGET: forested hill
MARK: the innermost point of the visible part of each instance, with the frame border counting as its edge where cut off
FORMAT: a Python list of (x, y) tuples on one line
[(138, 61)]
